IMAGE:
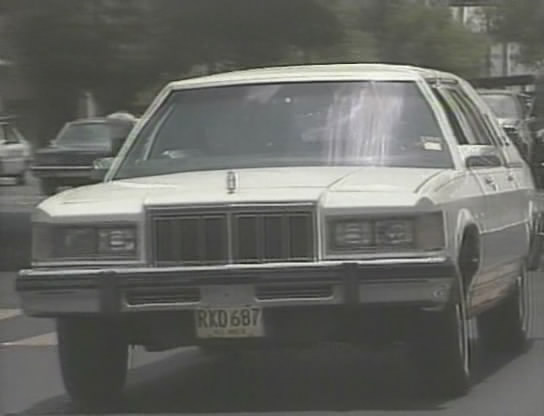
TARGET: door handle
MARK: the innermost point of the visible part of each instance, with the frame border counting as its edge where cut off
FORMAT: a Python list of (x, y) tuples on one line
[(491, 183), (510, 177)]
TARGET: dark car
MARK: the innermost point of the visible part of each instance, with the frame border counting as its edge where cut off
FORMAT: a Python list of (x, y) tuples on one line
[(512, 110), (68, 160)]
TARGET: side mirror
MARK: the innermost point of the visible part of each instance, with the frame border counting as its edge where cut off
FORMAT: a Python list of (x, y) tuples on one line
[(116, 144), (481, 156), (100, 168), (483, 161)]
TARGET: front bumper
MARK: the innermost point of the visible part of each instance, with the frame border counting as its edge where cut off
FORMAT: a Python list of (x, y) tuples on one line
[(56, 292), (71, 172)]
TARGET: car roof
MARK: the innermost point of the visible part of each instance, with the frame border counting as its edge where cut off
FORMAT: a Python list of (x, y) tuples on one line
[(308, 73), (498, 92), (98, 120)]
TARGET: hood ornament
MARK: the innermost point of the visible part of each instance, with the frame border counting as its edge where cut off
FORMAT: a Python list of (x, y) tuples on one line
[(232, 181)]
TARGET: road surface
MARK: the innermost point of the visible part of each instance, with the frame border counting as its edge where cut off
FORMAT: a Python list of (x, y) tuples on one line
[(327, 379)]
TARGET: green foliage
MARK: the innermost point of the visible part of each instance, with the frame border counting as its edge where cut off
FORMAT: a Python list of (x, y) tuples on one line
[(521, 21), (412, 33), (117, 48), (123, 49)]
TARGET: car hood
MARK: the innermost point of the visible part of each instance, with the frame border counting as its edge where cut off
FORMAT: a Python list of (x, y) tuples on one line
[(301, 184)]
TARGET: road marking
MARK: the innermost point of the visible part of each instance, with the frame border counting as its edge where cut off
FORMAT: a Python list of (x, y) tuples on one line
[(9, 313), (45, 340)]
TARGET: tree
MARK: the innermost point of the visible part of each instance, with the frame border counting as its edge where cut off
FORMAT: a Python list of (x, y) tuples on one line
[(117, 48), (521, 21), (65, 47), (413, 33), (240, 33)]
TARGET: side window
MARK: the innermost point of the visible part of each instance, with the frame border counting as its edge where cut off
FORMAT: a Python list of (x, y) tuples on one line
[(454, 122), (466, 126), (473, 117)]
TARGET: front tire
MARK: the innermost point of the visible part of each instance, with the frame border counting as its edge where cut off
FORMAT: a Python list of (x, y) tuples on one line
[(444, 352), (505, 327), (94, 361)]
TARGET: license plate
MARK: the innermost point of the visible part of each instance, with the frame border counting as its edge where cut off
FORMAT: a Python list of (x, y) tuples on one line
[(241, 322)]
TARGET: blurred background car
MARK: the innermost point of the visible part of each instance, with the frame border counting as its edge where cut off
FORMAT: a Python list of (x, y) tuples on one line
[(68, 160), (15, 151), (512, 110)]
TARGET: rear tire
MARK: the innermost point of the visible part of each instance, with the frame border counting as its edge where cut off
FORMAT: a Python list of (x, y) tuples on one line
[(505, 327), (94, 361), (444, 351)]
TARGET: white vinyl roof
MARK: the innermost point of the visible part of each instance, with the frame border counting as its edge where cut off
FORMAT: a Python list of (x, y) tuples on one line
[(309, 73)]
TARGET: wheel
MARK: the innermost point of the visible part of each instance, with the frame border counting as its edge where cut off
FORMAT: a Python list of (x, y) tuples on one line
[(505, 327), (94, 361), (443, 352), (48, 186)]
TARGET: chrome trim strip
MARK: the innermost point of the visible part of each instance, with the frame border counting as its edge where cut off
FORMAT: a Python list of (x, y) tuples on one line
[(234, 267), (68, 168)]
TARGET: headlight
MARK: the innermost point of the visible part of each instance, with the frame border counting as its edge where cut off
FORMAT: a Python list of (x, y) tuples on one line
[(51, 242), (395, 233), (423, 232), (117, 241), (349, 234)]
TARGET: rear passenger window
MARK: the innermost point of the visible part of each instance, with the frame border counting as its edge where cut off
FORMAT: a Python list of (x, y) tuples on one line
[(463, 129), (473, 118), (454, 122)]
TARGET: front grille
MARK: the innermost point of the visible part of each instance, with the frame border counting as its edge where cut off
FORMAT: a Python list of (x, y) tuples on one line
[(294, 292), (68, 158), (157, 296), (220, 236)]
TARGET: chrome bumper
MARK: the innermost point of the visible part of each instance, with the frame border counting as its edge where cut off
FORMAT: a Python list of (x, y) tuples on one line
[(61, 171), (123, 290)]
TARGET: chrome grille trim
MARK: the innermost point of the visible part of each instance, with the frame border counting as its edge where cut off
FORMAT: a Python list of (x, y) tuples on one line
[(278, 292), (156, 296), (243, 233)]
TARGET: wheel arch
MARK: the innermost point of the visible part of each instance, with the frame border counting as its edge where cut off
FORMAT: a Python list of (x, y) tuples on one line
[(468, 231)]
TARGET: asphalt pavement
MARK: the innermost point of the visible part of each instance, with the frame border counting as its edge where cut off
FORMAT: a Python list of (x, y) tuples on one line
[(328, 379)]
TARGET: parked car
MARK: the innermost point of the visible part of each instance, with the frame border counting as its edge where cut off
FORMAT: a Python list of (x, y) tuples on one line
[(368, 204), (15, 151), (68, 160), (513, 113)]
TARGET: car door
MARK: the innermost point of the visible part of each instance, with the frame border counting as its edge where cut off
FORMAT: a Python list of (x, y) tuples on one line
[(498, 189)]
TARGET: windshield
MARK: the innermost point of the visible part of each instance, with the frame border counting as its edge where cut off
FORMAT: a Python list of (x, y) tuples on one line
[(292, 124), (87, 134), (504, 106)]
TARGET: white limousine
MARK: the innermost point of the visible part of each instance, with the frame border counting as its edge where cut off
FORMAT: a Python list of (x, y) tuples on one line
[(358, 203)]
